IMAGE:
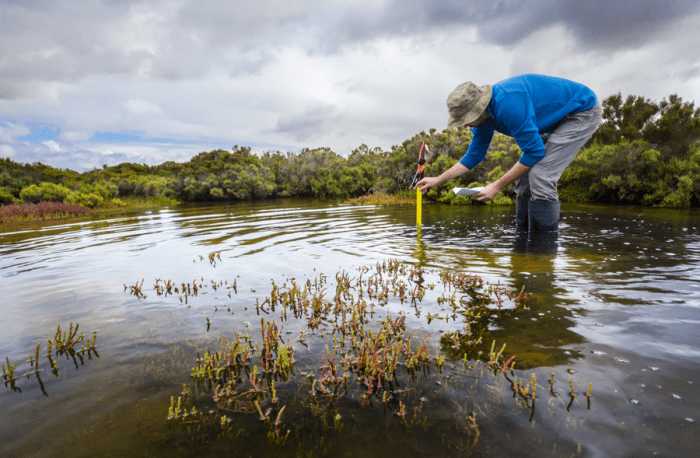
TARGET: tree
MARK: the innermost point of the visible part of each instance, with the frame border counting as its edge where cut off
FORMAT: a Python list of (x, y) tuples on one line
[(676, 128), (627, 120)]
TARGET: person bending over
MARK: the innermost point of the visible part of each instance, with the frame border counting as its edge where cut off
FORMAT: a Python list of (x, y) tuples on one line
[(550, 119)]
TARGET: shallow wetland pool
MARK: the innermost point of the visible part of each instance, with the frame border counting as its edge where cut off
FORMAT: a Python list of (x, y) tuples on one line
[(348, 332)]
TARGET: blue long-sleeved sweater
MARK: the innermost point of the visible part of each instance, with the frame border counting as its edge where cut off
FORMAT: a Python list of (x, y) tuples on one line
[(524, 107)]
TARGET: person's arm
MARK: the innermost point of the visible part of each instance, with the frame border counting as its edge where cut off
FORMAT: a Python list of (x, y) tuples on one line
[(518, 117), (453, 172), (478, 146), (490, 191)]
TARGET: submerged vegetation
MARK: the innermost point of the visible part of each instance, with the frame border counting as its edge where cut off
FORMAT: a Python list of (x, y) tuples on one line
[(63, 344), (644, 153), (329, 352)]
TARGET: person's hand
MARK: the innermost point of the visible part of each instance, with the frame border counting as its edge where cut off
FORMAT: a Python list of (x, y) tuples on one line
[(426, 183), (489, 192)]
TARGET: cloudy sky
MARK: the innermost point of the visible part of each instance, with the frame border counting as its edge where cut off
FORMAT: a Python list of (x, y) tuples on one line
[(91, 82)]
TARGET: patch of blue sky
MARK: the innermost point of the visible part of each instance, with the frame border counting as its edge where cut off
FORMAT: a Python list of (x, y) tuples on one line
[(40, 132), (137, 137), (43, 132)]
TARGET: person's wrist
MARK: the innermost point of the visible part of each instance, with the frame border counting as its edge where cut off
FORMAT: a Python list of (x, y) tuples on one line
[(500, 184)]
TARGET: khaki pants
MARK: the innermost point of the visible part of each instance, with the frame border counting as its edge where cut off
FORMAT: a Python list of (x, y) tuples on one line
[(562, 144)]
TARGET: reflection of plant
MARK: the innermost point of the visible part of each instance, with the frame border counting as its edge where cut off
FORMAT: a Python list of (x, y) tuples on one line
[(63, 343), (186, 290), (9, 373), (213, 257), (136, 289), (370, 361), (477, 302), (361, 362), (66, 342)]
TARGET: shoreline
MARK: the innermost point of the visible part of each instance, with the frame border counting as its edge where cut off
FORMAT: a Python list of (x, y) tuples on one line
[(131, 204)]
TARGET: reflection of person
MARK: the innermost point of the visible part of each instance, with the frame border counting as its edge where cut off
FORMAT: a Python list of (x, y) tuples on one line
[(549, 118)]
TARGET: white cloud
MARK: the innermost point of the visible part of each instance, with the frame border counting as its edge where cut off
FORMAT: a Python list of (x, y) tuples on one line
[(10, 132), (287, 75), (52, 145), (72, 136), (7, 151), (143, 107)]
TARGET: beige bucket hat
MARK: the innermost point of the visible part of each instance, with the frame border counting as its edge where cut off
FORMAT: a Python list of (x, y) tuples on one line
[(466, 103)]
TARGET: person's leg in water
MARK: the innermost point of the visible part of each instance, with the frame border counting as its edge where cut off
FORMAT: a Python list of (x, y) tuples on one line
[(537, 204)]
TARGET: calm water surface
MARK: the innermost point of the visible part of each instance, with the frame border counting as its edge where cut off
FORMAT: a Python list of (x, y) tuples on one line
[(616, 303)]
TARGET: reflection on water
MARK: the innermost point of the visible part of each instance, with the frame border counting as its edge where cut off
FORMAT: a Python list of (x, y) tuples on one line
[(617, 304)]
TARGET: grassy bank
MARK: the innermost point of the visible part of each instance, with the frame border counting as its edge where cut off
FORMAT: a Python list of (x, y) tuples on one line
[(58, 211), (381, 198)]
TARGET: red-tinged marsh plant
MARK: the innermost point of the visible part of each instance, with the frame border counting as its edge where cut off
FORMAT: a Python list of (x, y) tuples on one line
[(368, 356), (136, 289), (41, 211)]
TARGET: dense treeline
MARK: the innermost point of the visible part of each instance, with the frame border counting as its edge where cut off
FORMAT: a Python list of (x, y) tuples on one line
[(644, 153), (236, 175)]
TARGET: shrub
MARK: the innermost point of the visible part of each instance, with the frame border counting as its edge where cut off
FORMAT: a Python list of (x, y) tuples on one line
[(6, 196), (85, 199), (30, 194), (632, 173)]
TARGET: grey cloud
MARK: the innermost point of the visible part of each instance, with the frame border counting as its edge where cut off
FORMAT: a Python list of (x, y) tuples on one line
[(143, 41), (312, 122), (47, 41), (245, 22), (603, 25), (688, 73), (60, 42), (66, 42)]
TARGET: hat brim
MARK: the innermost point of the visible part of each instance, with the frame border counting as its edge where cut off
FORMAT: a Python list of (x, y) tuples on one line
[(476, 111)]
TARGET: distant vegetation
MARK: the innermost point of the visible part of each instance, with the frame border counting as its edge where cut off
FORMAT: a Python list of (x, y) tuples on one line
[(382, 198), (644, 153)]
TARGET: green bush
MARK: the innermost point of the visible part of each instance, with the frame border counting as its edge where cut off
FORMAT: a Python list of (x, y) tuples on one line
[(644, 153), (6, 196), (103, 189), (85, 199), (443, 191), (632, 173), (44, 192), (31, 194)]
